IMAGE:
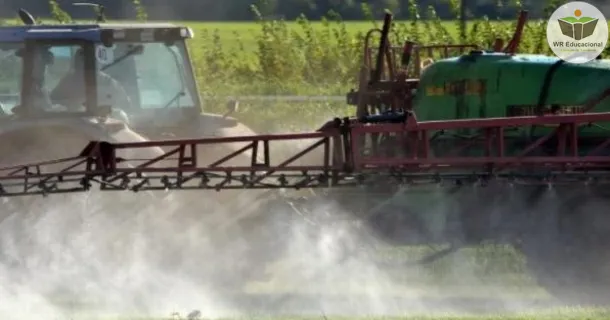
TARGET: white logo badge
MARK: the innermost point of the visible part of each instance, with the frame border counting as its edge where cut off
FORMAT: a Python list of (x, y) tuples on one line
[(577, 32), (104, 55)]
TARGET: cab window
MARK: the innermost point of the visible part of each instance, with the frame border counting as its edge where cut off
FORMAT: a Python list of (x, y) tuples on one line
[(10, 77), (155, 76)]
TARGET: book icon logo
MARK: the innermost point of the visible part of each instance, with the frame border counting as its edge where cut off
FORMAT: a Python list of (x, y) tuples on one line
[(577, 32), (577, 27)]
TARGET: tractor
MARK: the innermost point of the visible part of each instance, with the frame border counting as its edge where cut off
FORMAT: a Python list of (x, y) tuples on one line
[(449, 144), (65, 85)]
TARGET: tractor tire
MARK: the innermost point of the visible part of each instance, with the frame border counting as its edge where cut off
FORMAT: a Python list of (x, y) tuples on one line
[(568, 248)]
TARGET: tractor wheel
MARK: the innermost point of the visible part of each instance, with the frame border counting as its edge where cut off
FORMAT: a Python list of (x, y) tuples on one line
[(568, 249)]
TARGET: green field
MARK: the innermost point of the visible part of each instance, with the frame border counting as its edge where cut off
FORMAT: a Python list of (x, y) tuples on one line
[(555, 314), (304, 57), (301, 57), (311, 58), (314, 58), (567, 314), (552, 315), (488, 282), (235, 34)]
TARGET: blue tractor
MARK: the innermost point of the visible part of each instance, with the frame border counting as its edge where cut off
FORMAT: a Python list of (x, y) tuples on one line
[(65, 85)]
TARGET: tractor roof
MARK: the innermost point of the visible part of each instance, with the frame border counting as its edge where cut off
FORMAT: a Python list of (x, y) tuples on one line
[(88, 32)]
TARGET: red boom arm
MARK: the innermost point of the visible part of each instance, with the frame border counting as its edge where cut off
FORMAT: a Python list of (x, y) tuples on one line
[(342, 161)]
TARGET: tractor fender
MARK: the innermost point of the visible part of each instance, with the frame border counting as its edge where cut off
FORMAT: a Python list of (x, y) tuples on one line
[(214, 121), (53, 138)]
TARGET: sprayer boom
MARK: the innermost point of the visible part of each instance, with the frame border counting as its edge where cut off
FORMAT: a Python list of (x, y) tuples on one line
[(385, 143), (413, 153)]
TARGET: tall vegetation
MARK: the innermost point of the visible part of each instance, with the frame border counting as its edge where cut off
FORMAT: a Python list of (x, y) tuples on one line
[(303, 57), (58, 14), (141, 13), (324, 57)]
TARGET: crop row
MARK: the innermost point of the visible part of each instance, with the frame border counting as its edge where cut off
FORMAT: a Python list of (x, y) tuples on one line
[(303, 57)]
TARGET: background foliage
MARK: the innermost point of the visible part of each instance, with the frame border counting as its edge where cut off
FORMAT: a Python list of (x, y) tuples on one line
[(269, 55), (214, 10)]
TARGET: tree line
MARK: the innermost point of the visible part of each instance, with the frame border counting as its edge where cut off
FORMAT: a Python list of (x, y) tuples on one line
[(240, 10)]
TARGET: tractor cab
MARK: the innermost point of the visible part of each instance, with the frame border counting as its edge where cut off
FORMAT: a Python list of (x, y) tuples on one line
[(136, 72)]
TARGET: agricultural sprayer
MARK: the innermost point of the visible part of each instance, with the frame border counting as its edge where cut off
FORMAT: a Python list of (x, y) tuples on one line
[(450, 144)]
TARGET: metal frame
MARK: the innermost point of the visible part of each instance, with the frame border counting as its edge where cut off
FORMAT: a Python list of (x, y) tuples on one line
[(341, 160)]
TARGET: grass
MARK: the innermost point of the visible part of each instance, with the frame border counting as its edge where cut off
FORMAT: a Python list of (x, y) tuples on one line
[(473, 272), (553, 314), (234, 35), (299, 58), (286, 58), (304, 57)]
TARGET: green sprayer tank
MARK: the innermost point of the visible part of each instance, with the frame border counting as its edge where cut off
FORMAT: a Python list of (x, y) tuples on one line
[(490, 85)]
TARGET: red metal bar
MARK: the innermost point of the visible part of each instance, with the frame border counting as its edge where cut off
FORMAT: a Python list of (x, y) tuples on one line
[(217, 140), (498, 44), (514, 43), (414, 152), (285, 164), (564, 130), (250, 146), (146, 165), (468, 162)]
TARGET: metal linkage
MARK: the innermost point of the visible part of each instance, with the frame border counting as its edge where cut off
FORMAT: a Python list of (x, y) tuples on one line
[(43, 178), (181, 166), (168, 172), (493, 148), (349, 154)]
